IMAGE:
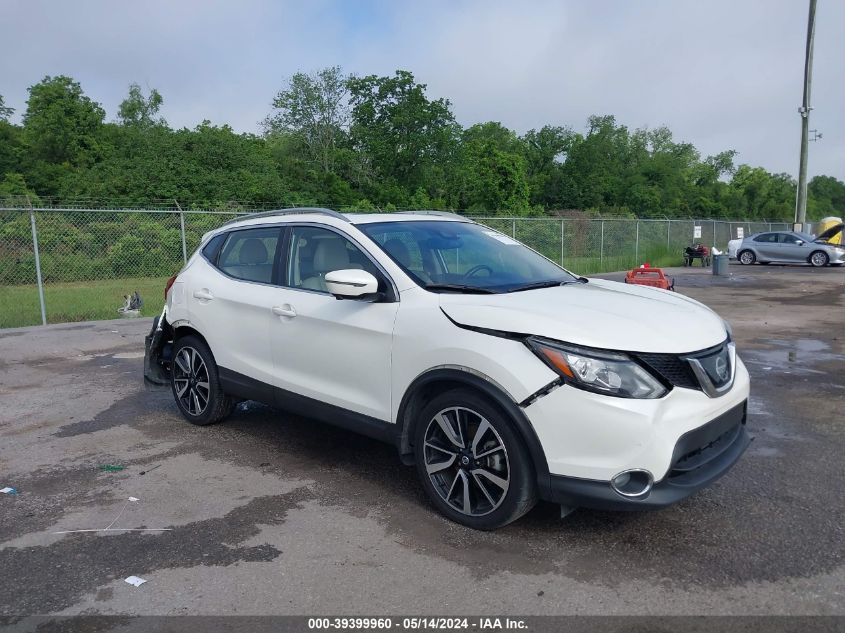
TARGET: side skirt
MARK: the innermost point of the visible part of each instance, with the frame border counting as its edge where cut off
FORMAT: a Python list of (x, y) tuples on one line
[(241, 386)]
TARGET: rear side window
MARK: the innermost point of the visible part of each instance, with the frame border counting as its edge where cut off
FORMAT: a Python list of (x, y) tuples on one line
[(249, 254), (767, 237)]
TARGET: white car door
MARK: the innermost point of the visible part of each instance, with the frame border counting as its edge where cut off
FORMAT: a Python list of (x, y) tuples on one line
[(334, 351), (230, 300)]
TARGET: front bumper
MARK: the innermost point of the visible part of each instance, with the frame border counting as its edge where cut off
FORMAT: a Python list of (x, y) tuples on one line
[(588, 439), (837, 256), (700, 457)]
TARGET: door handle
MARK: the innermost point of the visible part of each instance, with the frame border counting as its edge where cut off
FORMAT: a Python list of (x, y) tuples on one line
[(203, 294), (285, 310)]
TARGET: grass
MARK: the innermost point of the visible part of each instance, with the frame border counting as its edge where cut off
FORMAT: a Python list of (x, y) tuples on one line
[(94, 300), (77, 301), (658, 257)]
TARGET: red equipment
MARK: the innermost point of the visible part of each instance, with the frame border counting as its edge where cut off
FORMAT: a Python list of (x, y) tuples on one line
[(649, 277)]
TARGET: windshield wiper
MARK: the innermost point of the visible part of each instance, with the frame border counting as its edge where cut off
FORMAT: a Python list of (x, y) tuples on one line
[(549, 284), (460, 288)]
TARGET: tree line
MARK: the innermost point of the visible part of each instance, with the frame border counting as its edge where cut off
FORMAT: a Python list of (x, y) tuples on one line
[(373, 142)]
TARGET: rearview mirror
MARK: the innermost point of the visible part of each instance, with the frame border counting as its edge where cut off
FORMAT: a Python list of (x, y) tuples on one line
[(351, 283)]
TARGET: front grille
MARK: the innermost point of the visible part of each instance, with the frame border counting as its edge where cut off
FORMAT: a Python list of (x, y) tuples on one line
[(672, 368)]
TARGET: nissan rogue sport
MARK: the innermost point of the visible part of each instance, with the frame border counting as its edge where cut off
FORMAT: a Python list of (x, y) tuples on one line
[(501, 376)]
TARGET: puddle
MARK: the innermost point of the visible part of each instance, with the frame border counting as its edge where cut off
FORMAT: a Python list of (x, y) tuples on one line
[(795, 356)]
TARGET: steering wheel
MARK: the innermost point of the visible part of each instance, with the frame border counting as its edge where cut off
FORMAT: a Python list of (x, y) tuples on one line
[(475, 269)]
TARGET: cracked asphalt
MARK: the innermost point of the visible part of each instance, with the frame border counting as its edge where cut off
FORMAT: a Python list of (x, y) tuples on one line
[(270, 513)]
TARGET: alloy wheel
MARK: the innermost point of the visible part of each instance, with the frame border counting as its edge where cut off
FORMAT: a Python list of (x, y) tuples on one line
[(466, 461), (818, 259), (747, 257), (190, 377)]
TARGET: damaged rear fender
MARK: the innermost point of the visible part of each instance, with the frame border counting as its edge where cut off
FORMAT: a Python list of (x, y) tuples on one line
[(157, 351)]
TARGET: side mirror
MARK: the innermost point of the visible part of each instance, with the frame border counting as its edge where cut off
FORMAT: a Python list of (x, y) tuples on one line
[(799, 242), (351, 283)]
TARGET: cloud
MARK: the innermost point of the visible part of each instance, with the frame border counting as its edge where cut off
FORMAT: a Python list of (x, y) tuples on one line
[(721, 74)]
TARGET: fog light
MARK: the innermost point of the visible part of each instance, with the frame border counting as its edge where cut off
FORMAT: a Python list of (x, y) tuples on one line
[(633, 483)]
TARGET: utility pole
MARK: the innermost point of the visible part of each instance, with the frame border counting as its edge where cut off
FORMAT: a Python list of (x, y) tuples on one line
[(804, 111)]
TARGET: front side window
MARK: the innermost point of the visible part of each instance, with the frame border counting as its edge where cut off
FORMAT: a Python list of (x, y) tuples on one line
[(767, 237), (249, 254), (463, 256), (789, 238), (314, 251)]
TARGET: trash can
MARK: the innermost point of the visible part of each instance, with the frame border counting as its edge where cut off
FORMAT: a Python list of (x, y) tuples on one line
[(720, 264)]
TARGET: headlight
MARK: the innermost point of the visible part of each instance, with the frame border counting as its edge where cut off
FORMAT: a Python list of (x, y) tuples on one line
[(608, 373)]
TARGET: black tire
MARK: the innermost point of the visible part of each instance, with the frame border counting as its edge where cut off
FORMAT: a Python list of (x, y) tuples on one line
[(746, 257), (498, 453), (819, 259), (198, 405)]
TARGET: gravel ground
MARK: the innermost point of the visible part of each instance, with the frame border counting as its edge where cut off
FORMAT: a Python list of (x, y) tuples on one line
[(276, 514)]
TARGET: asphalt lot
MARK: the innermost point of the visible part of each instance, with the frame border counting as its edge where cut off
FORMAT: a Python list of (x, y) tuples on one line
[(274, 514)]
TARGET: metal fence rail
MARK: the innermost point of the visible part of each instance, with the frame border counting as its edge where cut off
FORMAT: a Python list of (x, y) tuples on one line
[(62, 263)]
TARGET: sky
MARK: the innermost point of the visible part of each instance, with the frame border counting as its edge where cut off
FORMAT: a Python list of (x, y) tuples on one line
[(721, 74)]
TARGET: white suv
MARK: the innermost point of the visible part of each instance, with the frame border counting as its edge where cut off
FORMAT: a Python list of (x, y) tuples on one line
[(503, 377)]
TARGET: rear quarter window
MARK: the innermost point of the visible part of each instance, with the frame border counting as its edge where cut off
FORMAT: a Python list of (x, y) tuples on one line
[(212, 249)]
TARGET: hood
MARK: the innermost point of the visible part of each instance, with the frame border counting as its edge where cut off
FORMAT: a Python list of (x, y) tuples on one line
[(829, 234), (603, 314)]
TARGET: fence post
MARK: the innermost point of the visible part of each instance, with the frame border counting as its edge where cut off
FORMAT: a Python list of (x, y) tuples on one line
[(714, 232), (668, 234), (513, 229), (38, 266), (182, 225), (637, 245), (561, 241), (601, 247)]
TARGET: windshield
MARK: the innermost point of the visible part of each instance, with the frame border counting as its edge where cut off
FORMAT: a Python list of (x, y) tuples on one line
[(463, 257)]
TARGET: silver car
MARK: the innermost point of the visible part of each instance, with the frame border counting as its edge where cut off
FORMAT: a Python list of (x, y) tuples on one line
[(792, 247)]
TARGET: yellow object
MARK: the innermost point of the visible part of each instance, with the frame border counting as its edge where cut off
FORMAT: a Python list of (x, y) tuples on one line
[(829, 223)]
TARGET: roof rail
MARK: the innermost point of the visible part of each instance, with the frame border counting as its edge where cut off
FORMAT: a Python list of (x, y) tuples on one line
[(445, 214), (293, 211)]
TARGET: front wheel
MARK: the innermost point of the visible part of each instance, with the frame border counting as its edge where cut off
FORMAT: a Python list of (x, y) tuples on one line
[(747, 258), (472, 462), (819, 259), (196, 384)]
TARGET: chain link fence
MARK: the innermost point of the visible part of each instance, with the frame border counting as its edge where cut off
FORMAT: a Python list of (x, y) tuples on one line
[(62, 264)]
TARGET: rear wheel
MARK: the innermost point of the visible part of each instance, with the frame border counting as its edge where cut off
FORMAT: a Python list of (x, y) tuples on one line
[(819, 259), (747, 258), (196, 384), (471, 461)]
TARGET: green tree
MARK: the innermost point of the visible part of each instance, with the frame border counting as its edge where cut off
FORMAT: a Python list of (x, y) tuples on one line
[(138, 110), (61, 123), (827, 196), (492, 172), (5, 111), (762, 195), (545, 152), (315, 108), (408, 139), (10, 142)]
